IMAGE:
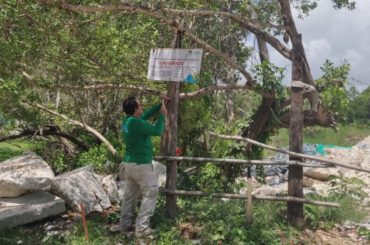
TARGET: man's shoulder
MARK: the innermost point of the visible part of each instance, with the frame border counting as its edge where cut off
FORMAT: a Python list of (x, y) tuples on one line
[(133, 120)]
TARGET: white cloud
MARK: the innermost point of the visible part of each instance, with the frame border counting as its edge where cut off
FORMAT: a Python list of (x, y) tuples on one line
[(316, 48), (350, 55), (336, 35)]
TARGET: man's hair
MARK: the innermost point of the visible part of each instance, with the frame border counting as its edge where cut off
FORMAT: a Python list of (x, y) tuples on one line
[(129, 105)]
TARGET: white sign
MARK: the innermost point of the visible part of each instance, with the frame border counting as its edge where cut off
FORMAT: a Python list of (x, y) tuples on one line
[(181, 65)]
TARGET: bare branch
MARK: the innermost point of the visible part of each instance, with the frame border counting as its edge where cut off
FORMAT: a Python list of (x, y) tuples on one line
[(74, 122), (230, 62), (110, 86), (293, 34), (219, 87), (251, 25), (47, 132), (291, 153)]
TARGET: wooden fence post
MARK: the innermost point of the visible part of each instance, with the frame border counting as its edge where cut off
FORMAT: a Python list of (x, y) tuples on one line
[(295, 177), (249, 203), (171, 136), (84, 223)]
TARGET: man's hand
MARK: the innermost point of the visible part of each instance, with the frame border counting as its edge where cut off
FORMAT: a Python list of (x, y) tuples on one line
[(163, 109)]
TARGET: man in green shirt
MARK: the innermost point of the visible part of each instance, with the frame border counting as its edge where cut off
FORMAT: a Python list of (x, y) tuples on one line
[(137, 168)]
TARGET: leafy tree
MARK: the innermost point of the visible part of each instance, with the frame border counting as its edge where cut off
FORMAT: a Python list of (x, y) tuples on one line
[(333, 88), (360, 107)]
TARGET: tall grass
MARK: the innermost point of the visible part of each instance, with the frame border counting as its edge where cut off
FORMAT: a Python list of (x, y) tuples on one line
[(14, 148), (347, 135), (219, 222)]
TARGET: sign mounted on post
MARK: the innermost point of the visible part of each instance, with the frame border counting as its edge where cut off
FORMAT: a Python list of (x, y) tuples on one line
[(177, 65)]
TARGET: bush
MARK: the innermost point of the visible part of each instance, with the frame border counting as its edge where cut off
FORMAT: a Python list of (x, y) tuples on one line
[(99, 156), (348, 193), (7, 152)]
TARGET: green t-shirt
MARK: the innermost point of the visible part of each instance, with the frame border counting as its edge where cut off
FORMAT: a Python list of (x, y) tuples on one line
[(137, 134)]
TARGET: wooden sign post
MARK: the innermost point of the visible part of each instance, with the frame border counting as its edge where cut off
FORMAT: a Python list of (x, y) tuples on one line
[(295, 177), (170, 139)]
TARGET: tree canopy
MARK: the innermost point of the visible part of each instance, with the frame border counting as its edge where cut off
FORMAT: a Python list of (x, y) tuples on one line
[(70, 63)]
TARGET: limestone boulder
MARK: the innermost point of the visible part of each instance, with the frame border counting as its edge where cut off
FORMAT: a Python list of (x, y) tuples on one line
[(27, 208), (110, 187), (24, 173), (81, 186), (267, 190), (161, 172), (322, 174)]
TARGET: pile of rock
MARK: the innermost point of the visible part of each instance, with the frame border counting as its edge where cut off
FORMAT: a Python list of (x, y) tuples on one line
[(30, 191), (316, 180)]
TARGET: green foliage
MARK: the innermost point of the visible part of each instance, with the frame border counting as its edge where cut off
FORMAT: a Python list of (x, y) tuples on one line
[(194, 118), (217, 221), (232, 228), (345, 191), (96, 156), (270, 77), (360, 107), (352, 187), (333, 85), (15, 148), (304, 7), (339, 4), (54, 153), (7, 152), (363, 231), (209, 178), (347, 135)]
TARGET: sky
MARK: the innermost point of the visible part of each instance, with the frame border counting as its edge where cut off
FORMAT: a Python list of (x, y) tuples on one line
[(337, 35)]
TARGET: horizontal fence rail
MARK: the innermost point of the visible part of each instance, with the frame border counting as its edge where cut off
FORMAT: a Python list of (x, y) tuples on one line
[(323, 163), (291, 153), (239, 161), (256, 197)]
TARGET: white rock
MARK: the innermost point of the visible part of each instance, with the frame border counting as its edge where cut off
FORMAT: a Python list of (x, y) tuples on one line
[(321, 174), (110, 188), (81, 186), (28, 208), (161, 172), (24, 173)]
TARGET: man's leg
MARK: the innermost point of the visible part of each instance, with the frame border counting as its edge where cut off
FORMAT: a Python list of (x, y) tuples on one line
[(129, 200), (148, 181)]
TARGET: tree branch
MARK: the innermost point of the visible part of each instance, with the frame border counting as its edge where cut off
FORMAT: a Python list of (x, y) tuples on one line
[(250, 25), (291, 153), (212, 88), (291, 29), (157, 13), (110, 86), (74, 122), (53, 131)]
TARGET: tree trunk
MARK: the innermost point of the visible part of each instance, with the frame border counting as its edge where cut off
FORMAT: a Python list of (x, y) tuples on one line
[(295, 177), (171, 137), (230, 106), (263, 115)]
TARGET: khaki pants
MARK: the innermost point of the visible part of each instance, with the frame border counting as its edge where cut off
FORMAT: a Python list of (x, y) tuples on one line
[(140, 179)]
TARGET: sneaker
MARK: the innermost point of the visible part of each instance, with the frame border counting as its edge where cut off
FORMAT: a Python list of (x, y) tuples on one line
[(114, 228), (148, 232), (117, 228), (127, 233)]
